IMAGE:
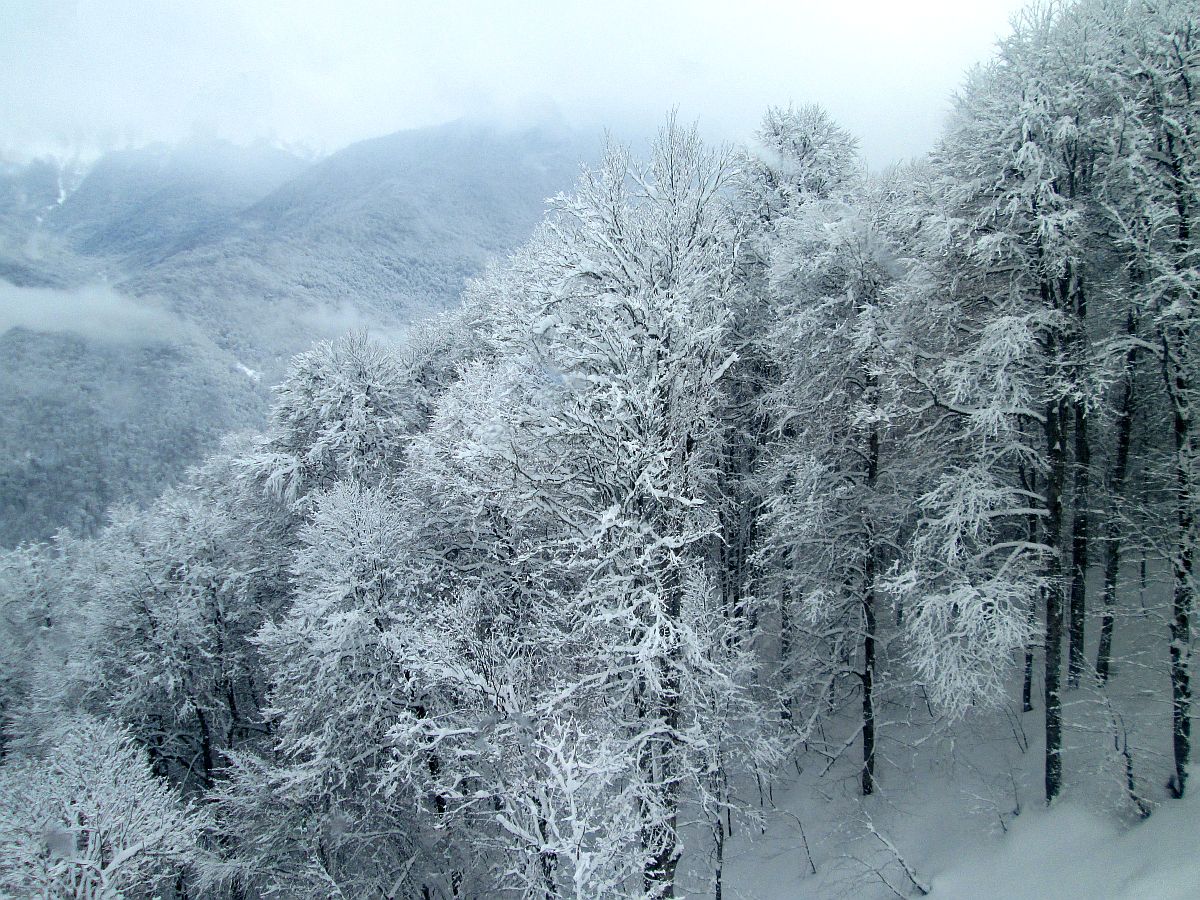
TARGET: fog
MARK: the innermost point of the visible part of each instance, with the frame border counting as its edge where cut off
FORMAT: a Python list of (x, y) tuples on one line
[(329, 321), (86, 75), (95, 311)]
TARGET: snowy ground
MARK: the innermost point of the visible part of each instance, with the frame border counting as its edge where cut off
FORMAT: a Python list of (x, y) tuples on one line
[(1069, 852), (963, 805)]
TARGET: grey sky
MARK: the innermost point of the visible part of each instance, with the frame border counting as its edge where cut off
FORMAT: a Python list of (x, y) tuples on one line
[(88, 73)]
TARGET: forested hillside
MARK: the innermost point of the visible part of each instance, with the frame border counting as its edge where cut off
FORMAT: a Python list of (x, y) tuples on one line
[(242, 256), (763, 526)]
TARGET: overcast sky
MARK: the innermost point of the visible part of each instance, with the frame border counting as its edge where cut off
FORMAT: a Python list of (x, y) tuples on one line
[(91, 73)]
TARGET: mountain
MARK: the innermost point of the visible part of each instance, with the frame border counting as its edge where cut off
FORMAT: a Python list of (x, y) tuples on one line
[(415, 213), (137, 207), (147, 303), (29, 194), (88, 423), (384, 231)]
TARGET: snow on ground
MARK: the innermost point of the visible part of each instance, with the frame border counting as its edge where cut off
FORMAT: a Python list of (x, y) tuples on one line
[(1069, 853), (963, 804)]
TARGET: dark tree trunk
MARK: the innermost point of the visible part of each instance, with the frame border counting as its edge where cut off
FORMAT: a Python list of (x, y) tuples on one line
[(868, 675), (718, 875), (1181, 691), (1182, 560), (739, 519), (1055, 416), (1033, 534), (1112, 528), (785, 650), (659, 763), (1077, 658), (1080, 505), (659, 874), (718, 850), (1178, 349), (206, 748), (868, 680), (1027, 679), (547, 861)]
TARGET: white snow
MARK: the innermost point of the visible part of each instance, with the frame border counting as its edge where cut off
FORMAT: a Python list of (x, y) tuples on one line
[(1069, 853), (963, 803), (252, 374)]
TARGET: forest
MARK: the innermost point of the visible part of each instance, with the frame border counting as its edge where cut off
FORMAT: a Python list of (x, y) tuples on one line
[(753, 470)]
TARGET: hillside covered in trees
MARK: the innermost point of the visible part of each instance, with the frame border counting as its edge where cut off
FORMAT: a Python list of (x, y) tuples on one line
[(763, 527), (149, 300)]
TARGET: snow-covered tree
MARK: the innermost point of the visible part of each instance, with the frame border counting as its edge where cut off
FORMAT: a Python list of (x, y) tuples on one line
[(1154, 206), (837, 479), (164, 645), (28, 608), (1007, 526), (339, 665), (568, 494), (345, 410), (86, 818), (636, 314)]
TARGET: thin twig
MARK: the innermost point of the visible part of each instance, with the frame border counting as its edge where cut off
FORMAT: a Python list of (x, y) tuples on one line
[(922, 888)]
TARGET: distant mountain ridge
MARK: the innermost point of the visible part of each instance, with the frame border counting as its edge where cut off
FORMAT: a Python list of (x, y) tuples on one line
[(138, 207), (391, 227), (256, 253)]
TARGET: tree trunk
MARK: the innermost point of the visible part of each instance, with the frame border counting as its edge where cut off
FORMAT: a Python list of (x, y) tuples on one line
[(739, 517), (1033, 534), (1027, 680), (1055, 415), (1112, 528), (1076, 297), (868, 681), (659, 834), (658, 838), (206, 749), (718, 832), (547, 861), (1181, 691), (785, 650), (1182, 560), (868, 675), (1178, 346), (1077, 657)]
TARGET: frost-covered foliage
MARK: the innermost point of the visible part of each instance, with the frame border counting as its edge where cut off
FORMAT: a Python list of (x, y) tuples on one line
[(561, 497), (168, 618), (344, 411), (836, 480), (25, 611), (339, 667), (637, 328), (85, 817), (801, 155), (745, 460)]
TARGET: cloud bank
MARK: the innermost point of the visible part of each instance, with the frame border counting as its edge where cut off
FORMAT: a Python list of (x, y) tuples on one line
[(95, 312), (326, 74)]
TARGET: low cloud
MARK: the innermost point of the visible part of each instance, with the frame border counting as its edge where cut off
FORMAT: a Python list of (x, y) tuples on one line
[(327, 322), (96, 312)]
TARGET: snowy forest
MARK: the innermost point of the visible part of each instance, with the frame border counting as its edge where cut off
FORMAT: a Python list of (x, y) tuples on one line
[(762, 527)]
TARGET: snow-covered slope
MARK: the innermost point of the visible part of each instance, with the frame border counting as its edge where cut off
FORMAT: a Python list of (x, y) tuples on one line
[(961, 804), (1069, 852)]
